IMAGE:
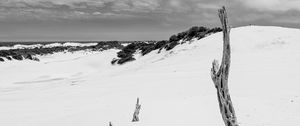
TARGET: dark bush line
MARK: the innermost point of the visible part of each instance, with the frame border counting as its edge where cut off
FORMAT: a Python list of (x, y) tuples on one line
[(21, 54), (126, 54)]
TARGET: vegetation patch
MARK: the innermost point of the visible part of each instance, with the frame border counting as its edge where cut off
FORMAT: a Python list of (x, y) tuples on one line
[(127, 53), (31, 53)]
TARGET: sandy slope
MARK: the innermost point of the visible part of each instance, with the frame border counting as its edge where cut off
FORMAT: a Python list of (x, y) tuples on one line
[(174, 87)]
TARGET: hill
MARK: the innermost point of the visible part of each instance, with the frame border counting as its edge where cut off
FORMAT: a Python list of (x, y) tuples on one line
[(174, 86)]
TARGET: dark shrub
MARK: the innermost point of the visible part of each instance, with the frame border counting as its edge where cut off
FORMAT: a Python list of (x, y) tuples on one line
[(131, 48), (17, 57), (193, 31), (215, 30), (35, 59), (8, 58), (202, 29), (5, 53), (126, 54), (122, 54), (114, 61), (107, 45), (160, 44), (147, 49), (171, 45), (28, 56), (201, 35), (174, 38), (182, 35), (124, 60), (198, 32), (1, 60)]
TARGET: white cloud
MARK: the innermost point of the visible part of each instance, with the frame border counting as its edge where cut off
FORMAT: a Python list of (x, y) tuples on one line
[(136, 5), (145, 4), (52, 3), (79, 13), (272, 5), (97, 13), (177, 6)]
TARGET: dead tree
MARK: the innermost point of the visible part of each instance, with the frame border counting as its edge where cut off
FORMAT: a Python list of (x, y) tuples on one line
[(136, 112), (220, 75)]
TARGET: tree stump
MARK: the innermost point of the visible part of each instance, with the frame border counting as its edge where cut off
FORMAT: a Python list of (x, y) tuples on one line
[(136, 112), (220, 75)]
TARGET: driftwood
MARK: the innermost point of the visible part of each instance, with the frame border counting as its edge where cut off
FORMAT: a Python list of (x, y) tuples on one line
[(220, 75), (136, 112)]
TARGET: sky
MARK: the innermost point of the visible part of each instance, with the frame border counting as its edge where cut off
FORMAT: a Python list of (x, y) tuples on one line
[(101, 20)]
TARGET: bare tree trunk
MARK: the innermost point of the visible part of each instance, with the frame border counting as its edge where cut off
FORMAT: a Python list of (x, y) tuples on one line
[(136, 112), (220, 75)]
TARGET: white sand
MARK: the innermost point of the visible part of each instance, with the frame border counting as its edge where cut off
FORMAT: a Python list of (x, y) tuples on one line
[(174, 87)]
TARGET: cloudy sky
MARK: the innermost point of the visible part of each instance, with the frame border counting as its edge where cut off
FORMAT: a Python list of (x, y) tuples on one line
[(132, 19)]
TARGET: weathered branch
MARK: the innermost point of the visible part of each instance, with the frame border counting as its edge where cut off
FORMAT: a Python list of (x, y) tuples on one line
[(220, 75), (136, 112)]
